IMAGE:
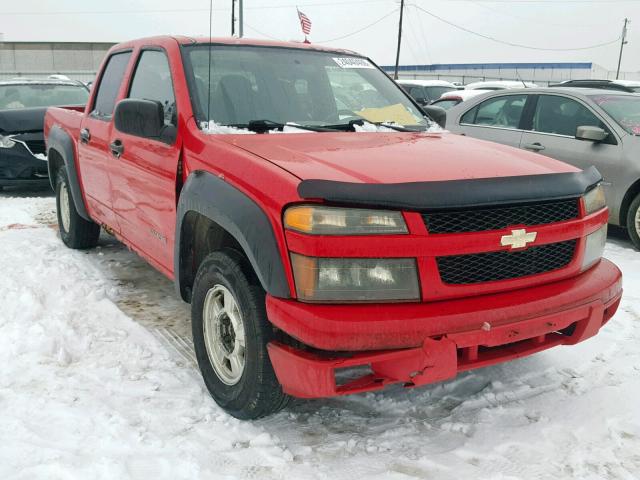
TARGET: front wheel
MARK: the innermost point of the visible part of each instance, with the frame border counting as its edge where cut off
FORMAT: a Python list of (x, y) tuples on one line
[(633, 221), (75, 231), (230, 336)]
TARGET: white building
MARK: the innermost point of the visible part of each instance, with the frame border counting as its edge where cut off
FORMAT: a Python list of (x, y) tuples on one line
[(77, 60)]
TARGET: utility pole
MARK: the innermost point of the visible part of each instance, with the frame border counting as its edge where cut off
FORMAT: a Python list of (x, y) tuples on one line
[(622, 44), (233, 18), (395, 75), (240, 19)]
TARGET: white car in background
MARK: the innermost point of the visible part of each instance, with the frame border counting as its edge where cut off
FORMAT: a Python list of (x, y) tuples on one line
[(451, 99), (426, 91), (499, 85)]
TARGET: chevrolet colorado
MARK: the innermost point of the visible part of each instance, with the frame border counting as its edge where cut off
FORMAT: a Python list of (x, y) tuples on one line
[(330, 238)]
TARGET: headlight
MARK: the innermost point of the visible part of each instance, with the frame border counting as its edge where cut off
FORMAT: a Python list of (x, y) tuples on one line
[(594, 200), (6, 142), (594, 247), (319, 220), (355, 279)]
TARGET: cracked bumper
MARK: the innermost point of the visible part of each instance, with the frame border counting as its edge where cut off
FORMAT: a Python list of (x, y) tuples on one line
[(595, 297)]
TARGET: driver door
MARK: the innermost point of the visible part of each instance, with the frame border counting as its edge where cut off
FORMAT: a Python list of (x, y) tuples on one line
[(144, 175)]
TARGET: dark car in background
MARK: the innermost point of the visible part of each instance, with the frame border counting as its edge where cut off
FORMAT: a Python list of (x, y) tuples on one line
[(23, 102), (426, 91)]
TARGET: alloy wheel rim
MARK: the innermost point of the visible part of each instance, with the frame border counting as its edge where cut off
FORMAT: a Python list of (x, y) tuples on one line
[(65, 210), (224, 335), (638, 221)]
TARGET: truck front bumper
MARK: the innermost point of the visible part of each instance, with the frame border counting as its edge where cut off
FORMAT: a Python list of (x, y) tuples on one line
[(416, 344)]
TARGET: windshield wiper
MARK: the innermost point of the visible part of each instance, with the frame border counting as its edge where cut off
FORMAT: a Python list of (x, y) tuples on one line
[(350, 126), (263, 126)]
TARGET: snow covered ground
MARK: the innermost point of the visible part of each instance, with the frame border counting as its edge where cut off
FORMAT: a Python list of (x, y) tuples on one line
[(97, 381)]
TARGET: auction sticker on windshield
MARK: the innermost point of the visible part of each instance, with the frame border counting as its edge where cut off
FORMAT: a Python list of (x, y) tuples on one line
[(353, 62)]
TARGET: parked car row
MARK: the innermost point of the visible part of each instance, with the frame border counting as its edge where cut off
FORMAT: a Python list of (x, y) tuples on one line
[(425, 91)]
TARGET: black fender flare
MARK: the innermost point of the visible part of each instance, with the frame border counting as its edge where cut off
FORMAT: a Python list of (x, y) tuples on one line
[(212, 197), (60, 141)]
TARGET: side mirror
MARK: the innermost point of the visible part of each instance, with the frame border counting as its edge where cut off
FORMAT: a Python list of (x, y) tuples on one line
[(591, 134), (437, 114), (142, 118)]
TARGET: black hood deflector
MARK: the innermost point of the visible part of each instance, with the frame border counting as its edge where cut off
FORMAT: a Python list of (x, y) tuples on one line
[(454, 194)]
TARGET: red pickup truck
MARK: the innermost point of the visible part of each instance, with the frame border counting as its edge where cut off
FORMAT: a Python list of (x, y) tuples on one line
[(330, 238)]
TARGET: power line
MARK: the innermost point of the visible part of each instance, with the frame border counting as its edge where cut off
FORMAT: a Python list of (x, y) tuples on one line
[(512, 44), (194, 10), (262, 33), (503, 12), (421, 34), (553, 2), (361, 29)]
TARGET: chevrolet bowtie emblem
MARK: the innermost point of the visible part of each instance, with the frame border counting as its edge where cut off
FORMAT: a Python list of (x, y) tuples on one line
[(518, 239)]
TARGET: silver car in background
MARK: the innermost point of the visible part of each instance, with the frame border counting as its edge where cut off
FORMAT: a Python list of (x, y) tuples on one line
[(580, 126)]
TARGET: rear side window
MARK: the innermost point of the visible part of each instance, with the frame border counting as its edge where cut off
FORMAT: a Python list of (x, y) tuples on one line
[(504, 111), (152, 81), (110, 84), (562, 116)]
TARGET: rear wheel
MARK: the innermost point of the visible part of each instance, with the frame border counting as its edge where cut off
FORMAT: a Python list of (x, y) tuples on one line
[(230, 335), (75, 231), (633, 221)]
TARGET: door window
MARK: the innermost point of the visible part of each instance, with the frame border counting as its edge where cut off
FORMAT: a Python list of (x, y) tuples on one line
[(562, 116), (504, 111), (110, 85), (152, 81)]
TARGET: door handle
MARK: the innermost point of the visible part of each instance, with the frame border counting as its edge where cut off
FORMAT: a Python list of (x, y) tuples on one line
[(85, 135), (536, 147), (117, 148)]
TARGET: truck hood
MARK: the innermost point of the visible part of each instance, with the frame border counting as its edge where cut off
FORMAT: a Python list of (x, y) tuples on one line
[(394, 157)]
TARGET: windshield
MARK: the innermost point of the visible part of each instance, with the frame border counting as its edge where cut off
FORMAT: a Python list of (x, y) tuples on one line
[(282, 85), (625, 110), (15, 96)]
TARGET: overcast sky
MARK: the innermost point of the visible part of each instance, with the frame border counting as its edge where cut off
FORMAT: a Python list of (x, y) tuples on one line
[(544, 24)]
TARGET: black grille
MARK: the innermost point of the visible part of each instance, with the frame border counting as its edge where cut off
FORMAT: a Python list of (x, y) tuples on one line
[(488, 267), (36, 146), (497, 218)]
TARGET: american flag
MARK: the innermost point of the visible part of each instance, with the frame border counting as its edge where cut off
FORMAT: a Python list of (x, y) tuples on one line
[(305, 23)]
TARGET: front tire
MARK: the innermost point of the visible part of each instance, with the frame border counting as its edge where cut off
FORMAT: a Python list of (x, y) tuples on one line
[(633, 221), (230, 335), (75, 231)]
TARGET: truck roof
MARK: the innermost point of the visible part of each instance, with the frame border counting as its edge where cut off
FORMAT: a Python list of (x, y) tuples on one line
[(185, 40)]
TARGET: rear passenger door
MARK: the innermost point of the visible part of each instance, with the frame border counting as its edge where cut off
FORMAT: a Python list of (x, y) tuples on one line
[(93, 144), (553, 129), (144, 174), (497, 119)]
